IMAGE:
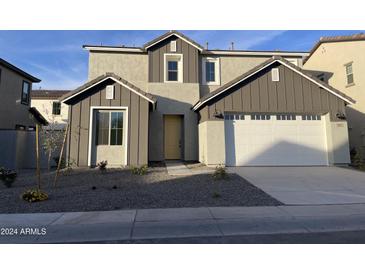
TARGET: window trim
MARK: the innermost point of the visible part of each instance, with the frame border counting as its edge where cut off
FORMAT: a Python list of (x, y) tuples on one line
[(180, 67), (217, 75), (352, 73), (29, 88), (125, 132), (53, 102)]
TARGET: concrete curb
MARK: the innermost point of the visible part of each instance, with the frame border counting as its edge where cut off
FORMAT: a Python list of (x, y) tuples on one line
[(182, 222)]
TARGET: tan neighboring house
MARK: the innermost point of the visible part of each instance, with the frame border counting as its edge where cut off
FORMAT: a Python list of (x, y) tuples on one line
[(48, 104), (340, 61), (17, 118), (173, 99)]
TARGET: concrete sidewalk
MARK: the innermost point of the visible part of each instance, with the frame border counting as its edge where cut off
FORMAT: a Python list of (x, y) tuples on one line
[(182, 222)]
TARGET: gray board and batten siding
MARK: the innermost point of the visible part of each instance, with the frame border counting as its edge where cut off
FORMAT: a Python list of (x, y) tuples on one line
[(79, 116), (190, 60), (259, 94)]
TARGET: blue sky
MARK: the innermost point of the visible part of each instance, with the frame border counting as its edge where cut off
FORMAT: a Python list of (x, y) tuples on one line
[(58, 59)]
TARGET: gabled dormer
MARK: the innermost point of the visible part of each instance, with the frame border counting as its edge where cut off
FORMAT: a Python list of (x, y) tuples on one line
[(173, 58)]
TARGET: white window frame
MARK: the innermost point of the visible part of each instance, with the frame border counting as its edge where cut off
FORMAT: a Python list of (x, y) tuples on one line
[(347, 74), (180, 66), (91, 131), (216, 71)]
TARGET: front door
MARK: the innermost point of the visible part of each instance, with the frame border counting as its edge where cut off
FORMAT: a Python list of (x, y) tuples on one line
[(109, 138), (172, 137)]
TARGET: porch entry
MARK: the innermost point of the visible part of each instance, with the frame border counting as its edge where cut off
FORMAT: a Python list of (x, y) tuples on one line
[(173, 141), (109, 142)]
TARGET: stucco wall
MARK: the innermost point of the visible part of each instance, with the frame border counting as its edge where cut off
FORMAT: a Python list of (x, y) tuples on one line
[(331, 58), (130, 66), (45, 106), (12, 112), (337, 141), (174, 99), (212, 148)]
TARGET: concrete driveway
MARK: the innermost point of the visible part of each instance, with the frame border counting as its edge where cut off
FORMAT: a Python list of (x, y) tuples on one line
[(307, 185)]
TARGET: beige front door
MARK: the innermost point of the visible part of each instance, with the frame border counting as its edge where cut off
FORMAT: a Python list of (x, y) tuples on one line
[(172, 136)]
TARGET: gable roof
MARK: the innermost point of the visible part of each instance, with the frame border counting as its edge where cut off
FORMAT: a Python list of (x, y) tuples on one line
[(168, 35), (334, 39), (19, 71), (109, 75), (267, 63), (47, 94)]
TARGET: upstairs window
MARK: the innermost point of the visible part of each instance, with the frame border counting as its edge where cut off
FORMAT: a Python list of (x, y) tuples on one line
[(56, 108), (25, 93), (173, 68), (210, 69), (172, 71), (349, 74)]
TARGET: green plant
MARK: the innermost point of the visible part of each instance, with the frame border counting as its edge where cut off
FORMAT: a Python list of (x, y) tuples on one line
[(142, 170), (63, 162), (220, 173), (216, 195), (357, 158), (8, 176), (102, 165), (34, 195)]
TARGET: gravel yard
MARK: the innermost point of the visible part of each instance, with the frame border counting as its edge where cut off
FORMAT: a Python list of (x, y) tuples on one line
[(119, 189)]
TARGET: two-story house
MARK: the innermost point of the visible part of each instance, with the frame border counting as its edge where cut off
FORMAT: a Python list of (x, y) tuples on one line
[(340, 61), (48, 104), (17, 118), (174, 99)]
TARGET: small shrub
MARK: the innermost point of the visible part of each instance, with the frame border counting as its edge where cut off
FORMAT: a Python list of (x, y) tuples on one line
[(34, 195), (357, 159), (216, 195), (220, 173), (63, 162), (8, 176), (139, 170), (102, 165)]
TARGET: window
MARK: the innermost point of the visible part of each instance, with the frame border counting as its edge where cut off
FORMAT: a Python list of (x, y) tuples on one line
[(172, 71), (210, 71), (310, 117), (109, 128), (56, 108), (173, 46), (349, 74), (173, 68), (275, 75), (260, 117), (25, 93), (234, 116), (289, 117)]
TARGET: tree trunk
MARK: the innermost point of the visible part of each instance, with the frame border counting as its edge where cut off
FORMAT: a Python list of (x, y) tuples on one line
[(37, 156), (49, 159)]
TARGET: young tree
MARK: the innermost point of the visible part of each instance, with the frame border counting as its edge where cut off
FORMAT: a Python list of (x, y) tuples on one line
[(51, 137)]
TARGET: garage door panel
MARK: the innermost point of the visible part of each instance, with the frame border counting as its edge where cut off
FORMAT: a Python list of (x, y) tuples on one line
[(274, 142)]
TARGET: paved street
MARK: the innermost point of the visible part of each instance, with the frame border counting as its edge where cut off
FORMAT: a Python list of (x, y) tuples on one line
[(307, 185), (147, 224)]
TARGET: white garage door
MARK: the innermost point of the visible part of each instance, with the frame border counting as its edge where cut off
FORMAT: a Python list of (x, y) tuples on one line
[(275, 140)]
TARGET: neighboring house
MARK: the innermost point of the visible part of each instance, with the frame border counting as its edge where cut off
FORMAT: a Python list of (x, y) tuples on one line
[(340, 61), (17, 119), (48, 104), (174, 99)]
